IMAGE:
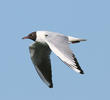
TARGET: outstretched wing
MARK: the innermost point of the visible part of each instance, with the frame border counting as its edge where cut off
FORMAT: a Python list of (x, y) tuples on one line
[(40, 55), (58, 43)]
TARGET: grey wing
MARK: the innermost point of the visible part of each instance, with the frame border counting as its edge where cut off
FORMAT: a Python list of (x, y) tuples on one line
[(58, 43), (40, 55)]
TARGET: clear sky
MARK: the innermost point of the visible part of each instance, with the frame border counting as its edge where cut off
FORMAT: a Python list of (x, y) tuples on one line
[(89, 19)]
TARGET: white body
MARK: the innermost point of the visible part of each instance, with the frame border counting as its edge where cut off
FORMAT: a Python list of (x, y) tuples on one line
[(41, 36), (65, 54)]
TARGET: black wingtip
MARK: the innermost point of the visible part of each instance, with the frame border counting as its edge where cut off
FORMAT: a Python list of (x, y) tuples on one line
[(81, 72), (51, 86)]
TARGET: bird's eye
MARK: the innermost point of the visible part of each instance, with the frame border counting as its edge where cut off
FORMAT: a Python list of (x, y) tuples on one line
[(46, 35), (31, 35)]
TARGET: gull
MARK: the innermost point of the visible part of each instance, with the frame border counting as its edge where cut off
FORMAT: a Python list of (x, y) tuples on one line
[(40, 50)]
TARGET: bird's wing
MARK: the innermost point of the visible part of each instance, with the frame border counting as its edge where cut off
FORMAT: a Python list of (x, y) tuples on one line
[(40, 55), (58, 43)]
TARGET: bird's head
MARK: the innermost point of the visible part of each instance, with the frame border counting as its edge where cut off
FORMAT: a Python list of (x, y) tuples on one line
[(31, 36)]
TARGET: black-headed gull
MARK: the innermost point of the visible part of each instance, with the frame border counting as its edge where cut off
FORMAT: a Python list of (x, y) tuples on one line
[(40, 50)]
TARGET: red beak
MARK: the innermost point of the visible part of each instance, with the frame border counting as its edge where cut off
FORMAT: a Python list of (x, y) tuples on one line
[(26, 37)]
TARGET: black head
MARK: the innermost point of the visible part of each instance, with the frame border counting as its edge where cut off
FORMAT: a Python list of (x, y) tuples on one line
[(31, 36)]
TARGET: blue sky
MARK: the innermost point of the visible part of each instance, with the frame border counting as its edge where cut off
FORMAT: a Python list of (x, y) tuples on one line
[(88, 19)]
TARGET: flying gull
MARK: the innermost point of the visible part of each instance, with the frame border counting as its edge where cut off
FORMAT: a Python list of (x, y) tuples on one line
[(40, 50)]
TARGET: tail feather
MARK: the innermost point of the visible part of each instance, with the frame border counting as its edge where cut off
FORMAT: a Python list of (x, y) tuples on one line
[(75, 40)]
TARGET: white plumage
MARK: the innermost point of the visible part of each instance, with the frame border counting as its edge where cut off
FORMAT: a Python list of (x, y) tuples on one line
[(45, 42)]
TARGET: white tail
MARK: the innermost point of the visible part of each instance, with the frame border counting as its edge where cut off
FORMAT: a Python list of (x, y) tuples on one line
[(75, 40)]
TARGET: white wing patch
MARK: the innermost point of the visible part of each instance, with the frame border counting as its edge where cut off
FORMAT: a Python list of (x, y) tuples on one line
[(58, 43)]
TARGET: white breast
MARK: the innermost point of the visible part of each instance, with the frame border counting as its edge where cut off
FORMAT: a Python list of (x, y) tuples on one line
[(40, 36)]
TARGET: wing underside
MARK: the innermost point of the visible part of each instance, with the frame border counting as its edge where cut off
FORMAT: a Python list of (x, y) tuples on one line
[(40, 55)]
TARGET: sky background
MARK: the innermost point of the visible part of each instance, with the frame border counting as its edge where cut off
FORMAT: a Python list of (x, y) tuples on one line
[(89, 19)]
